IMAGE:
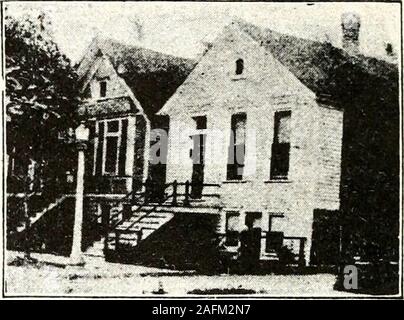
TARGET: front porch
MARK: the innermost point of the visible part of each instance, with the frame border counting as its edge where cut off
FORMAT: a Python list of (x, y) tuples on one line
[(137, 225)]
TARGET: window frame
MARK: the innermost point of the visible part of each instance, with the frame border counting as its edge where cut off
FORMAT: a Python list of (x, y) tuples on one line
[(235, 145), (107, 134), (101, 83), (229, 242), (276, 146)]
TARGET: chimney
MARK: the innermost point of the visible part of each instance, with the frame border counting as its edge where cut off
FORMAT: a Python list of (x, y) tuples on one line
[(350, 23), (391, 55)]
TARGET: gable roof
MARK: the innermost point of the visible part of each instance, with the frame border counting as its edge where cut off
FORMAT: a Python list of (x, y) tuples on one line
[(319, 65), (152, 76)]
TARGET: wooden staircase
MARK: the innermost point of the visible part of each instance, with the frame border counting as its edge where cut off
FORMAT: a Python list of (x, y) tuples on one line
[(146, 217), (17, 221), (138, 227)]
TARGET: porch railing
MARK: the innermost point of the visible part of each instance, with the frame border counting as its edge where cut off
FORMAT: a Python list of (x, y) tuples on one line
[(269, 241), (141, 207), (107, 184), (154, 195)]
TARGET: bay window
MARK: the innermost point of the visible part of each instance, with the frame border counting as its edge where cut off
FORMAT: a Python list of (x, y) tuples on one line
[(110, 151)]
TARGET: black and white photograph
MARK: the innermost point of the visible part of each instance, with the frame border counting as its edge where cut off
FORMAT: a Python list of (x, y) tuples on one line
[(198, 150)]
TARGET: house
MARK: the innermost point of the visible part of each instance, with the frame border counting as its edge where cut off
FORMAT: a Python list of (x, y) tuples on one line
[(123, 87), (273, 147), (288, 142), (287, 130)]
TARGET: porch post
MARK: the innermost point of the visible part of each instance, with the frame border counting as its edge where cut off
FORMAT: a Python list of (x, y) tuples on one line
[(302, 260), (186, 200), (175, 185)]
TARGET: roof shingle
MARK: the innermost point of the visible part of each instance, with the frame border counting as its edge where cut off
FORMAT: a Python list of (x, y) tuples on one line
[(152, 76), (318, 65)]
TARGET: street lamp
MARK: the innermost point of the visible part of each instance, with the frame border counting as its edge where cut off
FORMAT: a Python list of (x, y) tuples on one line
[(82, 137)]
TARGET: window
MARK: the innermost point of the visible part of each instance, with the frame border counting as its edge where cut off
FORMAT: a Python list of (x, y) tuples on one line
[(111, 156), (253, 220), (239, 66), (110, 151), (103, 88), (232, 227), (197, 152), (111, 146), (200, 122), (235, 164), (281, 146)]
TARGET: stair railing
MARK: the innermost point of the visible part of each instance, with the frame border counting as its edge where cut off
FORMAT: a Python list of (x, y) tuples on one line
[(166, 197), (188, 186), (134, 197), (34, 214), (302, 244), (15, 216), (146, 202)]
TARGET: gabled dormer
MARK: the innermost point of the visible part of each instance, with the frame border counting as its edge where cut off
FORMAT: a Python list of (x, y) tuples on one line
[(104, 81)]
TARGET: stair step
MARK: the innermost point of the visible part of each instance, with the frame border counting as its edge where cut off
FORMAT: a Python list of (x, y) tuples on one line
[(182, 209), (146, 222), (159, 215), (189, 210), (138, 227)]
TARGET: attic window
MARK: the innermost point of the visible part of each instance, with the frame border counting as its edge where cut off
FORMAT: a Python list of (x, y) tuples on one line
[(239, 66), (103, 88)]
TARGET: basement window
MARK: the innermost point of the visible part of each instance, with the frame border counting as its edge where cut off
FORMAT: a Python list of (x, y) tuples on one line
[(232, 227)]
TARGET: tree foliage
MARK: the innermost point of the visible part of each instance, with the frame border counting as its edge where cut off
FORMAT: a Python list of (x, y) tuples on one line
[(41, 93)]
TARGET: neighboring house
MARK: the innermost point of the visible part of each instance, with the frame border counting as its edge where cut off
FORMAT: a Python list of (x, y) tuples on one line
[(124, 86), (289, 141), (294, 107)]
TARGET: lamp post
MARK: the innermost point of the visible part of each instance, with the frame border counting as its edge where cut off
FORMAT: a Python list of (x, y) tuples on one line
[(82, 136)]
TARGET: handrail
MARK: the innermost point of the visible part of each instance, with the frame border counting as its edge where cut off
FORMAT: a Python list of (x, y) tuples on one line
[(148, 212), (143, 205), (23, 194), (40, 214), (302, 242), (165, 197), (51, 206), (127, 197), (139, 232)]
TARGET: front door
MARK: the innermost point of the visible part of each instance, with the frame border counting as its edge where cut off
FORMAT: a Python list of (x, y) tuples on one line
[(155, 185), (198, 164)]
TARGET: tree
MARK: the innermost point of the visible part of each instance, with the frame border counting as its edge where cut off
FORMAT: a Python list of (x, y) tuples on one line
[(41, 100), (41, 93)]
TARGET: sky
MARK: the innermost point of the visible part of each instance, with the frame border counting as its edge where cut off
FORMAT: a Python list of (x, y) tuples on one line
[(180, 28)]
